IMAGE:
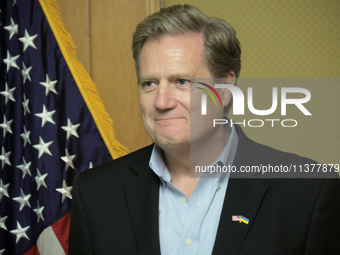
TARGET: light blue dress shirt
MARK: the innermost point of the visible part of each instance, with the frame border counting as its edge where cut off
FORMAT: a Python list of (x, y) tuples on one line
[(190, 226)]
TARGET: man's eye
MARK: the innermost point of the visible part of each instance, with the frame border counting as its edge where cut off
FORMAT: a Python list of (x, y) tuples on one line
[(182, 82), (147, 84)]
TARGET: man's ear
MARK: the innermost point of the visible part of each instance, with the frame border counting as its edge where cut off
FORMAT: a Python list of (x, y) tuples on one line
[(226, 94)]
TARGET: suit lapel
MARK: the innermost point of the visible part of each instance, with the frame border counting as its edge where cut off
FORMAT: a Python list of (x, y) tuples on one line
[(142, 197), (243, 197)]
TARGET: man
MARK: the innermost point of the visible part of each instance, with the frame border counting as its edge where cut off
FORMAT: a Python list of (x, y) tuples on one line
[(146, 202)]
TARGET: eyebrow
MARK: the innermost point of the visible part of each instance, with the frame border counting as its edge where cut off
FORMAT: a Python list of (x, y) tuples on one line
[(181, 76), (146, 78), (143, 78)]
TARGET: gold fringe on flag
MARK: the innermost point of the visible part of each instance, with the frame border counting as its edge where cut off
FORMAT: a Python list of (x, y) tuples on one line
[(82, 78)]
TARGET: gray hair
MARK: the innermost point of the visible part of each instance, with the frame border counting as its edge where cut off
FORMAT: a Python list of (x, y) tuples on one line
[(222, 48)]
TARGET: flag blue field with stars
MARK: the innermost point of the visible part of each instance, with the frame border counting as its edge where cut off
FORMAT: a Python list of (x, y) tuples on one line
[(48, 130)]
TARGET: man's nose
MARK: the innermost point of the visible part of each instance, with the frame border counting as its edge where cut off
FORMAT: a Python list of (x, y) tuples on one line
[(165, 98)]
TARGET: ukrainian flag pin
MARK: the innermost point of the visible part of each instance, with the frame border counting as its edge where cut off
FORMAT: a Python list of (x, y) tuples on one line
[(244, 220), (240, 219)]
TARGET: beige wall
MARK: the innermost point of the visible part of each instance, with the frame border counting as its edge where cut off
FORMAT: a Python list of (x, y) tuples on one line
[(297, 44), (102, 31)]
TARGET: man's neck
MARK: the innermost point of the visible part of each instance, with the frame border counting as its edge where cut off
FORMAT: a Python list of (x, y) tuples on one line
[(179, 163), (205, 152)]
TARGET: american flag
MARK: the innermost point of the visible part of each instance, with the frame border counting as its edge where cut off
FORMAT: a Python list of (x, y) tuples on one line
[(236, 218), (47, 131)]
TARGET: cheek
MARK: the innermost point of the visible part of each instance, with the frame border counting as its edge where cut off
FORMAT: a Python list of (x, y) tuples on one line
[(184, 100), (187, 107), (146, 109)]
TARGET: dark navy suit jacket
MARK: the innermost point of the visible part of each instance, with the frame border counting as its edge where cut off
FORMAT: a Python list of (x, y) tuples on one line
[(115, 209)]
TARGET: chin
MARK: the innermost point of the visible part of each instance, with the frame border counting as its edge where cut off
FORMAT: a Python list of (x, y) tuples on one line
[(173, 142)]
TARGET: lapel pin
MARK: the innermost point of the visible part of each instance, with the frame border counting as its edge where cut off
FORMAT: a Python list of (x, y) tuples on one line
[(240, 219)]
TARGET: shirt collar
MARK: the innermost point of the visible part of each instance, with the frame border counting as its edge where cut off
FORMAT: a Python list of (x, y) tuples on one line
[(157, 164), (226, 158)]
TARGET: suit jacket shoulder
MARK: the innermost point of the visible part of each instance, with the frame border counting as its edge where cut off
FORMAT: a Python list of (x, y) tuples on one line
[(273, 163), (113, 205), (118, 167)]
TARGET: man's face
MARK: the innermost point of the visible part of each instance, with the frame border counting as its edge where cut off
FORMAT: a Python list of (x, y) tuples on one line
[(166, 66)]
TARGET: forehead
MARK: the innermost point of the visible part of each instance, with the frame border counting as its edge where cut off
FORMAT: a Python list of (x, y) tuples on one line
[(189, 41), (172, 52)]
